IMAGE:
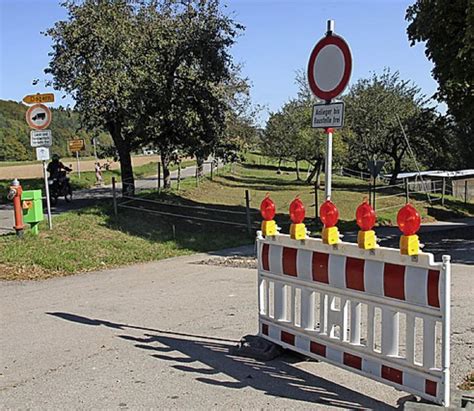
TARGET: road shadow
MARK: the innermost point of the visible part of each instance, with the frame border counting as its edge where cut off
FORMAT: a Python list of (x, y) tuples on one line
[(209, 359)]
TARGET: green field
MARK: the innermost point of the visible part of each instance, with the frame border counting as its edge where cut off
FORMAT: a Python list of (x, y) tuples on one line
[(93, 239)]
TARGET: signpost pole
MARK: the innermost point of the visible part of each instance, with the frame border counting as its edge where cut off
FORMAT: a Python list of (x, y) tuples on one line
[(46, 189), (328, 165), (78, 165)]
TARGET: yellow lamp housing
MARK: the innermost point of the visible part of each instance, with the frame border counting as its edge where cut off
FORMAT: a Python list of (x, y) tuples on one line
[(330, 235), (269, 228), (409, 244), (298, 231), (367, 239)]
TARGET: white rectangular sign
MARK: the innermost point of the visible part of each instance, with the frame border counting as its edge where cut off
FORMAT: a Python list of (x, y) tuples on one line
[(42, 153), (328, 115), (41, 138)]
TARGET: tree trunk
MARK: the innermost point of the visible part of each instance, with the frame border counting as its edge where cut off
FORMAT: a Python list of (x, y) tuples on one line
[(318, 173), (126, 169), (200, 166), (396, 170), (279, 166), (297, 163), (165, 162), (316, 169)]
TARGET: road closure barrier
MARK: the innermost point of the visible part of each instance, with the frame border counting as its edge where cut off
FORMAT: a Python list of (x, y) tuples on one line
[(376, 312)]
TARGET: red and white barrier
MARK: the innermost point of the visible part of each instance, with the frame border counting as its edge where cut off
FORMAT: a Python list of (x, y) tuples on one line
[(330, 302)]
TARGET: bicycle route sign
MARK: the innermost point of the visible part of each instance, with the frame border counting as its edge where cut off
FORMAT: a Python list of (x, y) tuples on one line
[(38, 116)]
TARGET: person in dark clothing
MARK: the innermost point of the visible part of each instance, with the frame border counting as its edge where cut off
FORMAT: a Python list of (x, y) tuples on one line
[(55, 167)]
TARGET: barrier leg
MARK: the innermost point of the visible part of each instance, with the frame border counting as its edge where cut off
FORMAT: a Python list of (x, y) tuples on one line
[(370, 326), (355, 322), (390, 331), (429, 343), (410, 338), (307, 309), (280, 302), (262, 299), (323, 314)]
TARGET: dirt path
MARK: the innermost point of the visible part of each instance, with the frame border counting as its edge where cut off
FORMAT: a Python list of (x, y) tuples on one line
[(35, 170)]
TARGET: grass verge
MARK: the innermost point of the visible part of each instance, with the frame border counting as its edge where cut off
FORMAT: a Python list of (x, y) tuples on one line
[(92, 238)]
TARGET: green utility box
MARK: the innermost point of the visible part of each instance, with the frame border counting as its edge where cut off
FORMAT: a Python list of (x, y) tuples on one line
[(32, 205)]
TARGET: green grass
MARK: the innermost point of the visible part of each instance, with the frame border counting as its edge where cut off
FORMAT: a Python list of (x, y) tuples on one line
[(92, 238)]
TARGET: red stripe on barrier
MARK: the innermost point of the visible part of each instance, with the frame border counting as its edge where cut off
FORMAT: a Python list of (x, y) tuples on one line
[(352, 361), (355, 273), (320, 267), (287, 338), (433, 288), (392, 374), (265, 329), (289, 261), (431, 387), (318, 349), (394, 281), (265, 261)]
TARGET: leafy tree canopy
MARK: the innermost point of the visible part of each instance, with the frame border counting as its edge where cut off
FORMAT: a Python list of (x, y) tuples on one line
[(447, 27)]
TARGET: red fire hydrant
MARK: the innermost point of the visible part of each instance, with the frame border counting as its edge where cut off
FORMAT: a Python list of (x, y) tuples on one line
[(14, 194)]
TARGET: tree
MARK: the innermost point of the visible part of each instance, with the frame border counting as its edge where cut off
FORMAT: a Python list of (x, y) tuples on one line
[(447, 27), (183, 91), (94, 52), (290, 136), (375, 107)]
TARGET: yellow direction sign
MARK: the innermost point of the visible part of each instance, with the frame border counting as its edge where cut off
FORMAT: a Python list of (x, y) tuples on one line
[(78, 144), (39, 98)]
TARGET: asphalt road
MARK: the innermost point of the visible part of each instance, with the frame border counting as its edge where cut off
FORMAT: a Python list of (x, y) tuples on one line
[(158, 335)]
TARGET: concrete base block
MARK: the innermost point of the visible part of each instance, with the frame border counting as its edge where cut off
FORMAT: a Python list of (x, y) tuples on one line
[(458, 402), (253, 346)]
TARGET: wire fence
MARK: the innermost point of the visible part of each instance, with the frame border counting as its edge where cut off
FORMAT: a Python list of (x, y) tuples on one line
[(142, 200)]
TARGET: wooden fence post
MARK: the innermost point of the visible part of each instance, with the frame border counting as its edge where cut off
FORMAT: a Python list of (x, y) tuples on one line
[(196, 174), (247, 212), (212, 169), (443, 191), (114, 196), (407, 195), (375, 192), (179, 176), (316, 203), (159, 175), (465, 191)]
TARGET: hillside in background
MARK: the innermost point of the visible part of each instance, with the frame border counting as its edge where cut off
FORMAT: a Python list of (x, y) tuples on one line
[(65, 125)]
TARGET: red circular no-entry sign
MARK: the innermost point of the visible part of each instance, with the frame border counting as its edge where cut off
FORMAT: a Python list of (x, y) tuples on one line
[(329, 67)]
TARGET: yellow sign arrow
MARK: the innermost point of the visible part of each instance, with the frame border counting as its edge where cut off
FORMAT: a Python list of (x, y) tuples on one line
[(39, 98)]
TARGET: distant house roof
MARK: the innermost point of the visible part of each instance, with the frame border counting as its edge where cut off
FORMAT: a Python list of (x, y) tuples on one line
[(437, 173)]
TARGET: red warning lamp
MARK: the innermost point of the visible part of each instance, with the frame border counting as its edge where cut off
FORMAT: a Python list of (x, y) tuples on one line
[(408, 220), (297, 211), (267, 209), (365, 216), (329, 214)]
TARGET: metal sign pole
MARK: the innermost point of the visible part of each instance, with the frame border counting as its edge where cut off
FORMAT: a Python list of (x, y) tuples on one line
[(46, 189), (78, 165), (328, 165)]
